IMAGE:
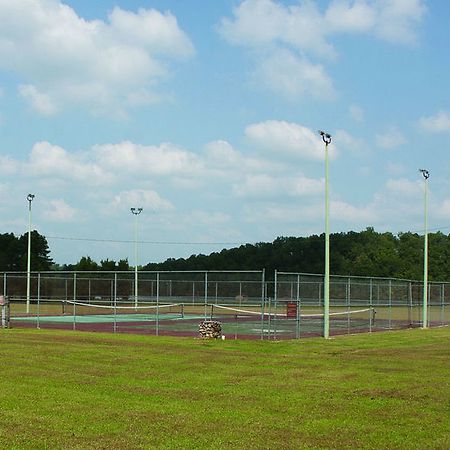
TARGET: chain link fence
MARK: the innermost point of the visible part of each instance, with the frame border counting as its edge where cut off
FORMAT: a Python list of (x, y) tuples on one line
[(247, 305), (362, 304)]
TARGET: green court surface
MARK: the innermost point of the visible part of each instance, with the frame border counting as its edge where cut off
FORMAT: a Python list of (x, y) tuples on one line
[(233, 326), (99, 318)]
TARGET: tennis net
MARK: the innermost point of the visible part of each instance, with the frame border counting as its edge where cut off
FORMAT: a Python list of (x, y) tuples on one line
[(124, 313)]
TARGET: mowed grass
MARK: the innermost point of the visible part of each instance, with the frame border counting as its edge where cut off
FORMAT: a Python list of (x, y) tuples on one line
[(99, 391)]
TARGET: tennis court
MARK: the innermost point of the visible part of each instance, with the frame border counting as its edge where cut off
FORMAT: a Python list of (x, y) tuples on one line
[(245, 303), (265, 321)]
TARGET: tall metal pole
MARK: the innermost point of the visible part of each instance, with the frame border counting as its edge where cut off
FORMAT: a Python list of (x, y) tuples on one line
[(30, 198), (426, 175), (136, 212), (326, 300)]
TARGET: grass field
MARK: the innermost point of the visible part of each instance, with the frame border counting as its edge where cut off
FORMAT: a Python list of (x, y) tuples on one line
[(65, 389)]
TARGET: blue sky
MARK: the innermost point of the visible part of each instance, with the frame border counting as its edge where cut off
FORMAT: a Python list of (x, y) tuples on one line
[(206, 115)]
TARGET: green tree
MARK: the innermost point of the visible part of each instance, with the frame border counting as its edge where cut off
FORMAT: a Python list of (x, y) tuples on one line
[(86, 263), (40, 253)]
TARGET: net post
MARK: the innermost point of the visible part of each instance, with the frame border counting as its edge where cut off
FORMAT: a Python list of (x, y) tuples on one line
[(371, 318)]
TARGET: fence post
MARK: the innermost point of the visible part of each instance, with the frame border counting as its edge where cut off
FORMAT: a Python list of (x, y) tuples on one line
[(206, 294), (74, 300), (157, 304), (297, 330), (263, 300), (348, 304), (390, 304), (115, 302), (38, 300)]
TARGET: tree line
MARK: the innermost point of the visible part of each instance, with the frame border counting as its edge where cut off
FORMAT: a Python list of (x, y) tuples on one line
[(364, 253)]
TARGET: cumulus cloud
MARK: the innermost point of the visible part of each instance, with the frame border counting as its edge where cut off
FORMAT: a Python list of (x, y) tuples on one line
[(300, 33), (48, 160), (59, 211), (64, 59), (397, 19), (310, 78), (165, 159), (264, 186), (280, 137), (224, 160), (39, 101), (439, 123), (343, 139), (140, 198)]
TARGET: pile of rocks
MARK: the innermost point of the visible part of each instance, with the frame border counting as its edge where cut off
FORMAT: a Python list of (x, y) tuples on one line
[(210, 329)]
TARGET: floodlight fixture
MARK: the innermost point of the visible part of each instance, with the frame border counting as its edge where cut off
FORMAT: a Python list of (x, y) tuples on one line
[(136, 212), (425, 173), (326, 138), (30, 198)]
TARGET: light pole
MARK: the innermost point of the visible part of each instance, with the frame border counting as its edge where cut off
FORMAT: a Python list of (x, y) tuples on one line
[(30, 198), (425, 175), (326, 138), (136, 212)]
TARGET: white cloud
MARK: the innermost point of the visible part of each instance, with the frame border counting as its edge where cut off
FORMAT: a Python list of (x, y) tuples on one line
[(292, 36), (158, 33), (59, 211), (41, 102), (47, 160), (343, 139), (348, 213), (397, 19), (345, 16), (285, 138), (258, 23), (439, 123), (139, 198), (392, 138), (129, 158), (102, 65), (297, 78), (224, 160), (264, 186)]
